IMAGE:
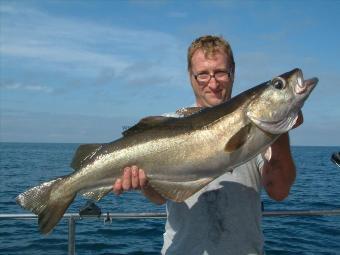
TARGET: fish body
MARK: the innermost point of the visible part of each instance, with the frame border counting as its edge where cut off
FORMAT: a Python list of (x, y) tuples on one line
[(179, 155)]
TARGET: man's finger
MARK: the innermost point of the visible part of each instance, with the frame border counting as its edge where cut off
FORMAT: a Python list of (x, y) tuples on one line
[(127, 178), (117, 187), (134, 179), (142, 178)]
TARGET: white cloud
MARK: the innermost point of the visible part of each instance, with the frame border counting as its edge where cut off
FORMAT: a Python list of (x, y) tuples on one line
[(86, 48), (24, 87)]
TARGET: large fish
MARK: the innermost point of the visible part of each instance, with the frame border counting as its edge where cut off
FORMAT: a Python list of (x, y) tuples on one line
[(179, 155)]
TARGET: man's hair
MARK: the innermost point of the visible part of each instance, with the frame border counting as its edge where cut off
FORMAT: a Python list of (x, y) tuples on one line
[(210, 45)]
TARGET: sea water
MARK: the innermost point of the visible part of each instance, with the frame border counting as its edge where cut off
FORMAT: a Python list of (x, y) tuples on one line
[(23, 165)]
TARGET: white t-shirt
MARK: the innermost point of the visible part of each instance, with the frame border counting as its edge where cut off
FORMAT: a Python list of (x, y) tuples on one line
[(222, 218)]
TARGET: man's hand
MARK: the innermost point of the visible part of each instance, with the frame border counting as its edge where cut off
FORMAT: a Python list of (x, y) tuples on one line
[(135, 178)]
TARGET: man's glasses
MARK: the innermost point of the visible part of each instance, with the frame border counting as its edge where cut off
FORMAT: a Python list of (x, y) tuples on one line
[(204, 78)]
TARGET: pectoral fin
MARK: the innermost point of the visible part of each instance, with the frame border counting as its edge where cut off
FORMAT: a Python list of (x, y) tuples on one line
[(238, 139), (178, 191)]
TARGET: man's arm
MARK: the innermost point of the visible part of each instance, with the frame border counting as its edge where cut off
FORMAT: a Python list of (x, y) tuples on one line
[(278, 174), (135, 178)]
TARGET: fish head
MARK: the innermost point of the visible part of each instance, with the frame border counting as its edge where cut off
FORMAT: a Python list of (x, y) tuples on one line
[(276, 106)]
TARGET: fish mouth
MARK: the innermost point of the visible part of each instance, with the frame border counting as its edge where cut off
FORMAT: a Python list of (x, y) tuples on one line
[(305, 85)]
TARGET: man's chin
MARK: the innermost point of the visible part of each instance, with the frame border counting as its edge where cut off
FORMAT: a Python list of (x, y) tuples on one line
[(214, 101)]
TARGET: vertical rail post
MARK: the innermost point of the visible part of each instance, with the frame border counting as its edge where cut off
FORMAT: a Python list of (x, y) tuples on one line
[(71, 236)]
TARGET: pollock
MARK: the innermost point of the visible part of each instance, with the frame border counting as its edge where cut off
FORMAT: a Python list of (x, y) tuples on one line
[(179, 155)]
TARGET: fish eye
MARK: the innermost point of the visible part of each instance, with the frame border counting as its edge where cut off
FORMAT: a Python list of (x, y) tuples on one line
[(278, 83)]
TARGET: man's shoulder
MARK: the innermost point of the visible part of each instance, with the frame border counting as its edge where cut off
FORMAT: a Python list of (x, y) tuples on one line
[(171, 114), (180, 112)]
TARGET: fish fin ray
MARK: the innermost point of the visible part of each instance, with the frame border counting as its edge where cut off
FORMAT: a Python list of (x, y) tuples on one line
[(97, 194), (178, 191), (237, 140), (146, 123), (41, 201), (83, 154)]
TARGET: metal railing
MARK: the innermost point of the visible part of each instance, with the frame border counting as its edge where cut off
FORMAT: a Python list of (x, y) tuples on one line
[(73, 217)]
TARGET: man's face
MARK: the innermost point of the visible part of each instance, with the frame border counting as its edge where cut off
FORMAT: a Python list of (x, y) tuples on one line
[(215, 91)]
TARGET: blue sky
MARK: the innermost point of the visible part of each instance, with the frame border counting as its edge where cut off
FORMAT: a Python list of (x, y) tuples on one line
[(78, 71)]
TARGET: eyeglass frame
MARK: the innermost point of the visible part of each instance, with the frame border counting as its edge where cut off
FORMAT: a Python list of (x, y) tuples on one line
[(229, 74)]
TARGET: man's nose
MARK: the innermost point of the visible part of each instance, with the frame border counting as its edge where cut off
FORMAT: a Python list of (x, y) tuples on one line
[(213, 84)]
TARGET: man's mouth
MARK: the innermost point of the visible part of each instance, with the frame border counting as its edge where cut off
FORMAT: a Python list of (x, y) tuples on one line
[(215, 92)]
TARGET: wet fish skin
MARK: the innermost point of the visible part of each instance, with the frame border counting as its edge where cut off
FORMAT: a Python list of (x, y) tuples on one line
[(179, 155)]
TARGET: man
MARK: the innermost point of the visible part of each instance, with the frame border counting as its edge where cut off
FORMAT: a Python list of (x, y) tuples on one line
[(225, 216)]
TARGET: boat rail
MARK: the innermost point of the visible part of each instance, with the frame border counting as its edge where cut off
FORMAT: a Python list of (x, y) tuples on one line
[(109, 217)]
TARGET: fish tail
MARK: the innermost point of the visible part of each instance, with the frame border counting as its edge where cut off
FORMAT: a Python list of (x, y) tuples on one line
[(48, 202)]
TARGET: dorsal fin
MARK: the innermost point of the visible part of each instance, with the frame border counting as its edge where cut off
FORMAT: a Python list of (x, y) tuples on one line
[(153, 121), (83, 153), (184, 112), (146, 123)]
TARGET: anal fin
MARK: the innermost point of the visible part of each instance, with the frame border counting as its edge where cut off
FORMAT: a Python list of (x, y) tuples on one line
[(178, 191), (97, 194)]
